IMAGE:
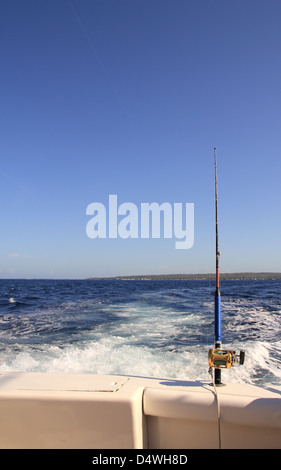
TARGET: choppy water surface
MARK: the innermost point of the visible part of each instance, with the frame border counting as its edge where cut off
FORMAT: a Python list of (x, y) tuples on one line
[(155, 328)]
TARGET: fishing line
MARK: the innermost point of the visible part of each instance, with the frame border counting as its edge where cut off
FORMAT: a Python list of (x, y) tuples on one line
[(89, 40), (94, 50), (218, 405), (22, 188)]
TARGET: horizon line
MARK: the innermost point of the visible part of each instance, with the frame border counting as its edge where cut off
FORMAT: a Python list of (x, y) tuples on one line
[(178, 276)]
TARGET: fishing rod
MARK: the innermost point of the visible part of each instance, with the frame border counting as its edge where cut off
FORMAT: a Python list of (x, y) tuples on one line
[(220, 358), (217, 293)]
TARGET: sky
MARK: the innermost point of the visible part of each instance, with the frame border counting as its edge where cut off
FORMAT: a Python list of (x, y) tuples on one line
[(129, 98)]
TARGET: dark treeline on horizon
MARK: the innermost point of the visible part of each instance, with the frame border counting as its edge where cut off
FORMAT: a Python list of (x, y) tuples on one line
[(223, 276)]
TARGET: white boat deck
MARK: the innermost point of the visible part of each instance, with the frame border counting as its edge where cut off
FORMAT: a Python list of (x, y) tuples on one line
[(43, 410)]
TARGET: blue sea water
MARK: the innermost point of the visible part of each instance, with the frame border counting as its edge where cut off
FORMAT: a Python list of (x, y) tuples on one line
[(145, 328)]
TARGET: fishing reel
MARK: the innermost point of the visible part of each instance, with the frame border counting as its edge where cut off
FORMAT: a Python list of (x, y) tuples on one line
[(225, 358)]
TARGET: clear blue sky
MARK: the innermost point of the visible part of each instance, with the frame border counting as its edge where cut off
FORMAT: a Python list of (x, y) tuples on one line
[(129, 97)]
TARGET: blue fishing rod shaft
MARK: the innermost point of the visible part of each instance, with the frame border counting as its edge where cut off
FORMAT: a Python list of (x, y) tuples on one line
[(217, 293)]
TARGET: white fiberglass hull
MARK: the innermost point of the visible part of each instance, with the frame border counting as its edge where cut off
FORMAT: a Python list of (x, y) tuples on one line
[(48, 411)]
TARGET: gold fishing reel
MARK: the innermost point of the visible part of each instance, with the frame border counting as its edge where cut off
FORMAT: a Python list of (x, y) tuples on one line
[(225, 358)]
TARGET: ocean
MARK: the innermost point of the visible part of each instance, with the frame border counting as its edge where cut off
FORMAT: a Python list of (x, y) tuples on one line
[(156, 328)]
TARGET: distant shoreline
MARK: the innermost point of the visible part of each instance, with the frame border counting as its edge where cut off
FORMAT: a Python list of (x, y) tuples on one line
[(261, 276), (194, 277)]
